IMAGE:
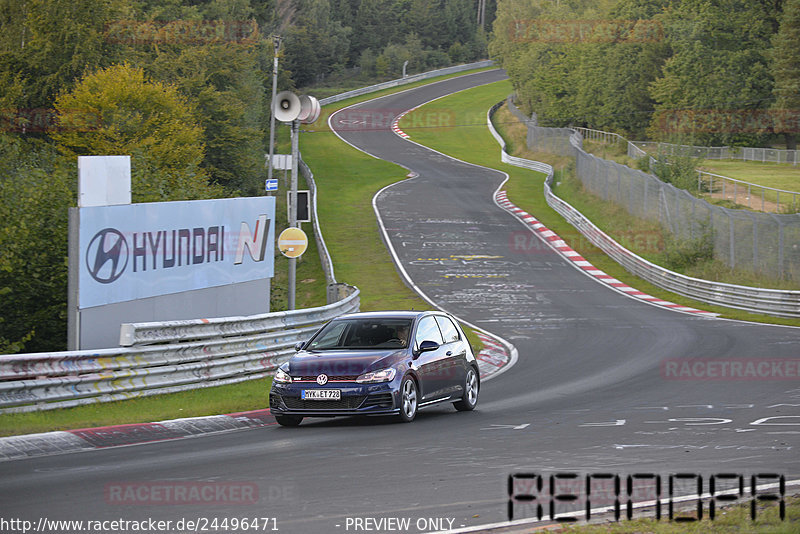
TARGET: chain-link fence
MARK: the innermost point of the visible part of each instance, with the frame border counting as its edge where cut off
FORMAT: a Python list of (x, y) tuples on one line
[(766, 243), (764, 155)]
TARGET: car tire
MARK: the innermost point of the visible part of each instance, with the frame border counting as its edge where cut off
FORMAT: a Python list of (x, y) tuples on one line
[(409, 399), (289, 420), (471, 389)]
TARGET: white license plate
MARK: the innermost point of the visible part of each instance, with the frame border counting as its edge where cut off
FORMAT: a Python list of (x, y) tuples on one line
[(321, 394)]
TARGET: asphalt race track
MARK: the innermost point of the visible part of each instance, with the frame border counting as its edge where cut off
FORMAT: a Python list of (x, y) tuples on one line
[(592, 391)]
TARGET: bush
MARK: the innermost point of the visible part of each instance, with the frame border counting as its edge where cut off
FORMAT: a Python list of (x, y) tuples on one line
[(680, 171), (682, 254)]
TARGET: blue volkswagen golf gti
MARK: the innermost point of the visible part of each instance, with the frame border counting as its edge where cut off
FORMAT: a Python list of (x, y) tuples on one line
[(377, 363)]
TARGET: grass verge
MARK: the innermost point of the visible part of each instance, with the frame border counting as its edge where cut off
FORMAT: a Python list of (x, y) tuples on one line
[(729, 520), (474, 144), (248, 395), (347, 180), (776, 175)]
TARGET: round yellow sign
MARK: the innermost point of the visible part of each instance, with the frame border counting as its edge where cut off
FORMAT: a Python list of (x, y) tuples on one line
[(292, 242)]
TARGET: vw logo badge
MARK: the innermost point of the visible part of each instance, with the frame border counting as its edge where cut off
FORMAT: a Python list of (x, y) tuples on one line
[(322, 379), (107, 255)]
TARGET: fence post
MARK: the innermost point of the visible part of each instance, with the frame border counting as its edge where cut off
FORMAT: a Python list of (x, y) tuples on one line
[(731, 239), (755, 243)]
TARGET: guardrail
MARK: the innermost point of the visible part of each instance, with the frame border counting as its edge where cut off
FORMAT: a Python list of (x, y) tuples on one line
[(781, 303), (403, 81), (162, 358)]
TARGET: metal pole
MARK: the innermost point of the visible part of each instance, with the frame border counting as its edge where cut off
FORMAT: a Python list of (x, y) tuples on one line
[(73, 281), (293, 209), (272, 114)]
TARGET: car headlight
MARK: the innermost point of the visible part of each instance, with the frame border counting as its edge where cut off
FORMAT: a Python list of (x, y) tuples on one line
[(282, 377), (384, 375)]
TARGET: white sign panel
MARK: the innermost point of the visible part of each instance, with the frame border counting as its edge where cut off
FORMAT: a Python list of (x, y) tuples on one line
[(282, 162), (104, 180), (145, 250)]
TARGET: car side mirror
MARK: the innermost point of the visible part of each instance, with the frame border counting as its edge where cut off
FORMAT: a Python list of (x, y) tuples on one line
[(299, 346), (427, 346)]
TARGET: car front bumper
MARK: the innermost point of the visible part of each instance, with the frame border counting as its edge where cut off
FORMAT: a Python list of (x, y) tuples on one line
[(356, 399)]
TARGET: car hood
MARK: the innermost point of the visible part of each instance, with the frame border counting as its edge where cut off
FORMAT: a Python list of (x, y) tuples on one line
[(342, 362)]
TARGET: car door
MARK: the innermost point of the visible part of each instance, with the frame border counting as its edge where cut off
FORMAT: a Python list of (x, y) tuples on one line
[(455, 364), (429, 364)]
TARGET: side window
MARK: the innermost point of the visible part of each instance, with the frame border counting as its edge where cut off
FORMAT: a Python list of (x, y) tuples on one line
[(427, 330), (449, 330)]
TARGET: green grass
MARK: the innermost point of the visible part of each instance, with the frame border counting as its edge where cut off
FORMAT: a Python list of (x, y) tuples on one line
[(476, 145), (248, 395), (775, 175), (729, 520), (310, 283), (347, 180)]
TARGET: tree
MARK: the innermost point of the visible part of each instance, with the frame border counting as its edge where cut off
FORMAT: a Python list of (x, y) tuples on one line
[(49, 44), (719, 65), (317, 45), (786, 70), (118, 111), (36, 190), (225, 83)]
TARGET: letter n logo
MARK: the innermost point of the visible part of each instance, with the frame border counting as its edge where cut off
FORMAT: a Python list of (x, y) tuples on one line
[(256, 241)]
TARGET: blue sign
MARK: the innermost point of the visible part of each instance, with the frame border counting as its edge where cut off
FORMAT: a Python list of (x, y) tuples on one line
[(272, 185)]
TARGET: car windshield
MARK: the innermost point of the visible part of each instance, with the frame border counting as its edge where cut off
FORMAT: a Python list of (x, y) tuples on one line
[(362, 334)]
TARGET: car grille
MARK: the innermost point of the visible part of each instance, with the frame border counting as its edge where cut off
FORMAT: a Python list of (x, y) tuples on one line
[(346, 403), (341, 378), (384, 400)]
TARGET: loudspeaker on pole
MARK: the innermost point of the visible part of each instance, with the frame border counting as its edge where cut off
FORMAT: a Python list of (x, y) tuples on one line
[(309, 109), (286, 106)]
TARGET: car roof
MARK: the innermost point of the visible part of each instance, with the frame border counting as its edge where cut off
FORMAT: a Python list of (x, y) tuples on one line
[(396, 314)]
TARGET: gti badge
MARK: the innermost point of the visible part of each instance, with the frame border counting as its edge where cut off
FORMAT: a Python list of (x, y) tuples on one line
[(107, 255)]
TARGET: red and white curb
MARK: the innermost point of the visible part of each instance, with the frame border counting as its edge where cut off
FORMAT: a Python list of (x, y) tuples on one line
[(493, 357), (66, 441), (396, 129), (558, 244)]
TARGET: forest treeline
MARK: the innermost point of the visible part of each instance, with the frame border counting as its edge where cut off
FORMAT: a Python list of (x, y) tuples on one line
[(183, 86), (707, 72)]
